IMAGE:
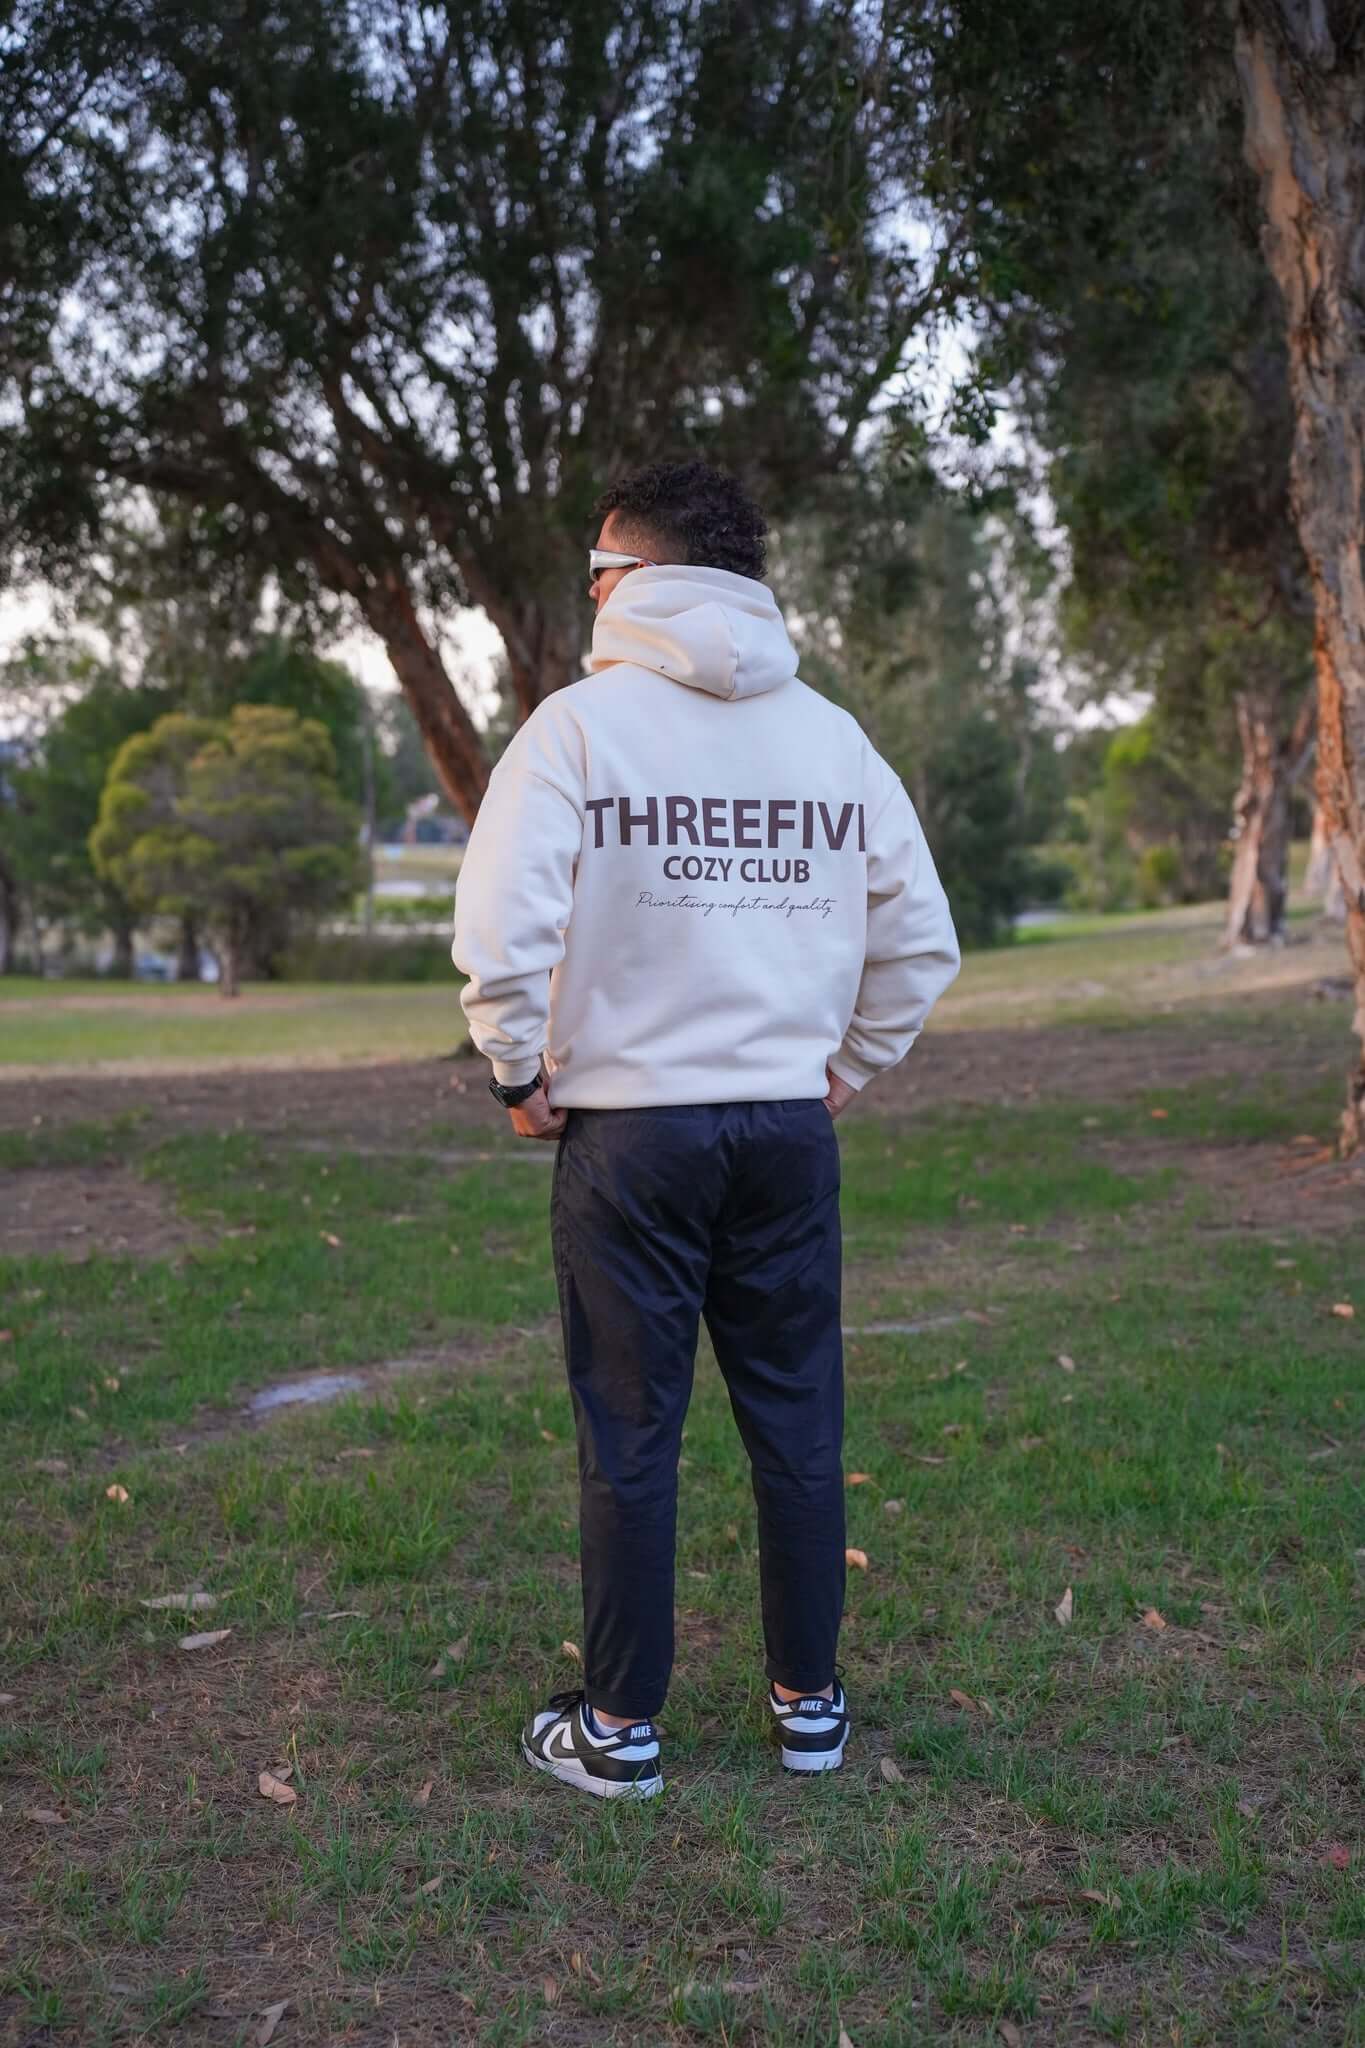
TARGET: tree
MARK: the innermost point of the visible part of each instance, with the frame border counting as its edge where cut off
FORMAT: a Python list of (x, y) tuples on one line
[(56, 797), (1301, 68), (388, 293), (233, 821), (1123, 305)]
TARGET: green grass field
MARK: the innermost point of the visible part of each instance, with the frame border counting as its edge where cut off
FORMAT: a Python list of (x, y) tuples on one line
[(1136, 1380)]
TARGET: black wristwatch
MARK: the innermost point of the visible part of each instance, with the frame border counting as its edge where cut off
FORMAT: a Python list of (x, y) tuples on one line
[(511, 1097)]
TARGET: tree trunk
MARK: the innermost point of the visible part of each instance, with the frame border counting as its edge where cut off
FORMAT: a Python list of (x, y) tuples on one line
[(9, 916), (544, 649), (122, 968), (1258, 894), (1323, 879), (187, 951), (230, 964), (1304, 101), (449, 734)]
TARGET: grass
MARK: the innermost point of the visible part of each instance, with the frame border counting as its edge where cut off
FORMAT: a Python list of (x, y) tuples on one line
[(1105, 1831)]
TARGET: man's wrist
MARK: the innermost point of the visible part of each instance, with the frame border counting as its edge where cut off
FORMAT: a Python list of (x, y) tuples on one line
[(513, 1096)]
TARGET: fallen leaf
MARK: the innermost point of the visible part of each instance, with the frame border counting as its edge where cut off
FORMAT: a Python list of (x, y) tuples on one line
[(572, 1650), (549, 1990), (184, 1603), (275, 1788), (78, 1412), (1357, 1678), (423, 1792), (271, 2016), (1343, 1309), (1099, 1898), (1067, 1364), (458, 1651), (7, 1699), (357, 1451), (1065, 1608), (345, 1614), (1009, 2034), (1032, 1443), (581, 1967), (204, 1641), (1337, 1855), (891, 1771), (547, 1436), (963, 1700), (953, 1429), (283, 1771), (330, 1237), (46, 1815), (111, 1383), (429, 1887), (117, 1492), (858, 1479), (893, 1507), (53, 1465), (845, 2039), (922, 1458), (1153, 1619), (856, 1557)]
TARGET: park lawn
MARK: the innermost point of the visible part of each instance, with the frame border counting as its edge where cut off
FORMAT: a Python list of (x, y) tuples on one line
[(1094, 971), (1117, 1829)]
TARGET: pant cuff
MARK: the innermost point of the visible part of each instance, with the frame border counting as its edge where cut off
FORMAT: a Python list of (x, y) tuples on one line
[(615, 1703), (783, 1675)]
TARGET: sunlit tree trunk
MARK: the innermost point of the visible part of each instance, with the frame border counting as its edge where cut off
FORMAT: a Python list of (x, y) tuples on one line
[(1301, 64), (1258, 894)]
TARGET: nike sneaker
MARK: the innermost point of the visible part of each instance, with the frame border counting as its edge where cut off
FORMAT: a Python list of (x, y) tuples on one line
[(813, 1730), (566, 1740)]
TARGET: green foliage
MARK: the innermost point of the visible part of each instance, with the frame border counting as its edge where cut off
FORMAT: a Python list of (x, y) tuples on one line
[(360, 957), (234, 821), (56, 798)]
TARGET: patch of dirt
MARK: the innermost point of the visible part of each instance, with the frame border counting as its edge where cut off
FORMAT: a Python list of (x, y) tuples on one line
[(396, 1103), (74, 1212)]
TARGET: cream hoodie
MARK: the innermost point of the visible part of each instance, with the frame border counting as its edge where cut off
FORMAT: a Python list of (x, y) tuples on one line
[(692, 878)]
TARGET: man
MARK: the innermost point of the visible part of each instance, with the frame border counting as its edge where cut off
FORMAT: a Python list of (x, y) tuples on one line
[(697, 914)]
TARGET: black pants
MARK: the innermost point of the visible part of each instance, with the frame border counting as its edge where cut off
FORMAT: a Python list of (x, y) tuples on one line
[(658, 1217)]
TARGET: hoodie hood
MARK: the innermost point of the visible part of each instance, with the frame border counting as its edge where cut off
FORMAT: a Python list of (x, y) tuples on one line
[(707, 628)]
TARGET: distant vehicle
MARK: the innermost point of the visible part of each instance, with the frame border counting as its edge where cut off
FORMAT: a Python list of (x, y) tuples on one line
[(153, 967)]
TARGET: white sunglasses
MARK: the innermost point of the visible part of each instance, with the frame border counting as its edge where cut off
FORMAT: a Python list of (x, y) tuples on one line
[(607, 558)]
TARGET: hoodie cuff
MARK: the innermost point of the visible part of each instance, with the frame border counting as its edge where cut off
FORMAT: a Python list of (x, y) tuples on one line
[(850, 1068), (515, 1073)]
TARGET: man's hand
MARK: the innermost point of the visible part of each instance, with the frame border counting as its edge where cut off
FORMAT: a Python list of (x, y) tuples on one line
[(840, 1094), (534, 1118)]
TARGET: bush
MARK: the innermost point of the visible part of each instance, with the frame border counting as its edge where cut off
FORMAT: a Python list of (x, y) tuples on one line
[(1159, 874), (362, 957)]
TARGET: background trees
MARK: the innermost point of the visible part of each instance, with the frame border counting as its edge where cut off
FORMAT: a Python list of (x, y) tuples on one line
[(385, 294), (237, 822)]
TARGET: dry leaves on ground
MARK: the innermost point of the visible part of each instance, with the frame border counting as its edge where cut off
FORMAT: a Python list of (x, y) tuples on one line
[(184, 1603), (891, 1771), (205, 1640), (1065, 1608), (857, 1558), (571, 1650), (1152, 1618), (271, 2016), (272, 1786), (118, 1493)]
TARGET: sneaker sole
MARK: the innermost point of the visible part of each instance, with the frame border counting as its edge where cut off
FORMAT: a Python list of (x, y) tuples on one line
[(600, 1788), (803, 1762)]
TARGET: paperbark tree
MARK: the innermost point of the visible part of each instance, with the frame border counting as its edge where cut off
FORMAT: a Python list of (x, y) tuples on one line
[(1301, 64), (389, 292)]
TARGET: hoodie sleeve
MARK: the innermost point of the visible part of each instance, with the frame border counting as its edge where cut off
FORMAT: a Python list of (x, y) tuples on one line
[(912, 950), (514, 897)]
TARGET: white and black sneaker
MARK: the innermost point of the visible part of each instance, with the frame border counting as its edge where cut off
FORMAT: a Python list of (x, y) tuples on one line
[(813, 1730), (611, 1763)]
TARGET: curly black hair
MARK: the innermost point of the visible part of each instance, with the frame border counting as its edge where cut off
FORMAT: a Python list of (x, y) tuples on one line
[(689, 512)]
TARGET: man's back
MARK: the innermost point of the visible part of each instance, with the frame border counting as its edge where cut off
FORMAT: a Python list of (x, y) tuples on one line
[(709, 858)]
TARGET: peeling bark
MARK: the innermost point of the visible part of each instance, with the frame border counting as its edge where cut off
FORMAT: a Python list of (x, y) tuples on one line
[(1258, 893), (1303, 94), (1323, 879)]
